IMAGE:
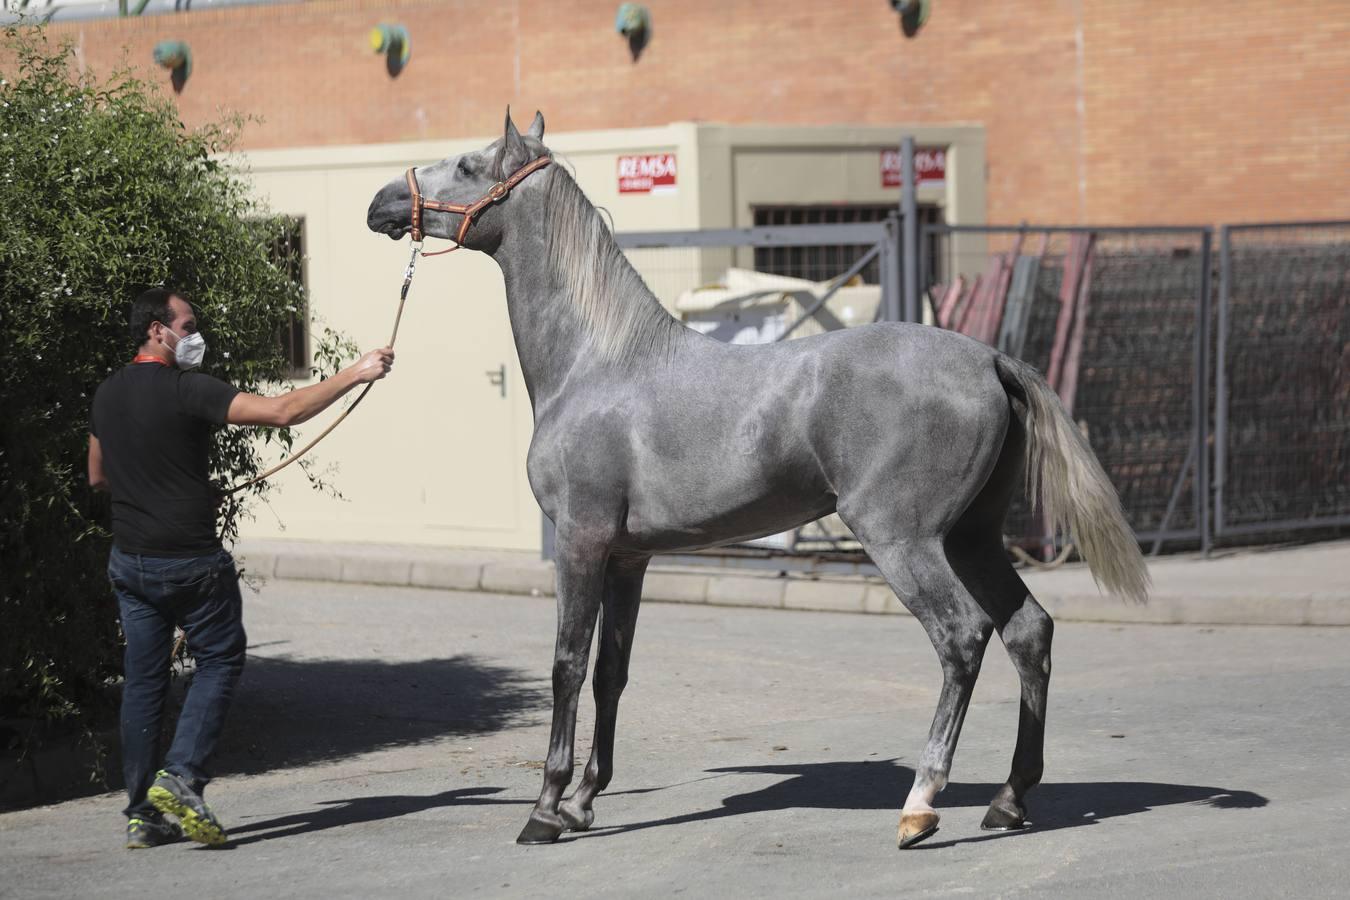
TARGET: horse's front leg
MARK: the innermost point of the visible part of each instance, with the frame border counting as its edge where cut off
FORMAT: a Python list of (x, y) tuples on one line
[(618, 621), (580, 566)]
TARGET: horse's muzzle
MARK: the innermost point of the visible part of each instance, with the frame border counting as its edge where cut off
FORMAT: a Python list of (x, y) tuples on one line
[(389, 211)]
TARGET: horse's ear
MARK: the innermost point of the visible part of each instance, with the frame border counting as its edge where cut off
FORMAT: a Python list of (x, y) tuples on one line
[(537, 126), (512, 154)]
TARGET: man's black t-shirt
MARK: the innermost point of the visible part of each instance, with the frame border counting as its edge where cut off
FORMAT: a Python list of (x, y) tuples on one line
[(153, 423)]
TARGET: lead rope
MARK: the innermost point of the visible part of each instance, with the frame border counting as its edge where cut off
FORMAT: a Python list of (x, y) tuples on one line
[(398, 317), (393, 336), (497, 192), (468, 213)]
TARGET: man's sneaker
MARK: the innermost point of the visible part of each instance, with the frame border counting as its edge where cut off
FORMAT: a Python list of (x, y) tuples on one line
[(142, 833), (173, 796)]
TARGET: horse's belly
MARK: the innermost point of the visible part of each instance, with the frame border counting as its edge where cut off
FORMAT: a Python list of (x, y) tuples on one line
[(720, 512)]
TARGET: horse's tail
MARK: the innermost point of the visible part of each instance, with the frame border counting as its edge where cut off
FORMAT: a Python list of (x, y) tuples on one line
[(1074, 491)]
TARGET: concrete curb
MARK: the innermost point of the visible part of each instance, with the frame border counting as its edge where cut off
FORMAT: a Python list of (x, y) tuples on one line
[(1195, 598)]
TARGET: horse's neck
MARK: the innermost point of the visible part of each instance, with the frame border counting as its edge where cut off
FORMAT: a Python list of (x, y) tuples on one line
[(547, 334), (554, 340)]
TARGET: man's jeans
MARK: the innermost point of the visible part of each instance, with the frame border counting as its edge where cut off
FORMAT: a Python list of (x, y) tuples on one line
[(201, 595)]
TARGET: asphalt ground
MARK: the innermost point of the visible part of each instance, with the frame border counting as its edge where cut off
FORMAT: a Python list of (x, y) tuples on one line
[(388, 742)]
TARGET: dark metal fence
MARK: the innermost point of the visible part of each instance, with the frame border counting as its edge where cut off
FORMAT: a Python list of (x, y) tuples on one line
[(1266, 452), (1282, 417), (1117, 319)]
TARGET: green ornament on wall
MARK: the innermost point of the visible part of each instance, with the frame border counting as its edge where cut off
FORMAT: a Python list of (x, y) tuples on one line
[(393, 41), (913, 14), (176, 56), (634, 22)]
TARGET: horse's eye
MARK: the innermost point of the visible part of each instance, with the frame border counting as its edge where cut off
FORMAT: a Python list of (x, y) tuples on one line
[(464, 168)]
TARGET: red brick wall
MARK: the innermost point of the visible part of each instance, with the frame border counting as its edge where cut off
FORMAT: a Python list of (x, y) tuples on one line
[(1105, 111), (1218, 111)]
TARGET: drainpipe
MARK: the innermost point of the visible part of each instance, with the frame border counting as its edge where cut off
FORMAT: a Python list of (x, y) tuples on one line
[(909, 225)]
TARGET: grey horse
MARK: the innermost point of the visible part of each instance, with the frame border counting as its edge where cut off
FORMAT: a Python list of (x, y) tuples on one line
[(651, 438)]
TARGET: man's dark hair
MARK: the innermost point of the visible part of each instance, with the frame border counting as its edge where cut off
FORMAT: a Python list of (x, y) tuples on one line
[(151, 306)]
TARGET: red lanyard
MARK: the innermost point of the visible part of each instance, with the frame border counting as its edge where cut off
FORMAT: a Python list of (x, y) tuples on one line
[(146, 357)]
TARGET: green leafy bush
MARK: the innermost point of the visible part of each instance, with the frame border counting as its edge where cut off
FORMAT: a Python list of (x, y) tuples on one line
[(104, 192)]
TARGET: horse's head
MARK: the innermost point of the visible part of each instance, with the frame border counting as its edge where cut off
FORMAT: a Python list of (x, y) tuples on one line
[(461, 181)]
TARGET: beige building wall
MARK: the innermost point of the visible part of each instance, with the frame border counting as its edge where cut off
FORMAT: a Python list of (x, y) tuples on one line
[(436, 454)]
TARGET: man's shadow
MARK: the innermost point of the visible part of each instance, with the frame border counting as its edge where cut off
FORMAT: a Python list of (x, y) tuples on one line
[(296, 712), (337, 813), (881, 784), (291, 712)]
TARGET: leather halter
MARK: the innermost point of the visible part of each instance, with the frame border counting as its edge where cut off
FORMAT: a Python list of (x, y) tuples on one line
[(468, 210)]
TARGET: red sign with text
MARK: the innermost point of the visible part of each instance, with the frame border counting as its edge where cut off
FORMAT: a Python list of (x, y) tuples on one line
[(930, 166), (652, 173)]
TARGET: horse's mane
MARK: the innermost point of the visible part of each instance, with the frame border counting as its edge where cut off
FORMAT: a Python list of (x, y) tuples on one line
[(624, 319)]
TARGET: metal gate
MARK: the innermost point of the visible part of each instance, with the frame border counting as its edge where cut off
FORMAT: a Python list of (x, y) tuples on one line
[(672, 262)]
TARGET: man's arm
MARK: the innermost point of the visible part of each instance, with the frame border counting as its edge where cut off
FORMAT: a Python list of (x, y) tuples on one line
[(97, 480), (305, 403)]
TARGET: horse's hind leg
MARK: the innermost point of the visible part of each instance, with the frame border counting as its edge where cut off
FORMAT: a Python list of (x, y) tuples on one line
[(618, 621), (580, 562), (919, 573), (1026, 630), (975, 548), (1026, 635)]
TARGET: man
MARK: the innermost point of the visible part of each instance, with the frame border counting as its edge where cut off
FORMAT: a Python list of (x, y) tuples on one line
[(149, 439)]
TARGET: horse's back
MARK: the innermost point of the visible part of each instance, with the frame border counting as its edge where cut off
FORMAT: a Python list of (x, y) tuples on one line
[(901, 372)]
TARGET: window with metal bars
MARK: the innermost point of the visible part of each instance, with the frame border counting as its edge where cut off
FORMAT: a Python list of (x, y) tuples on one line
[(288, 252), (823, 262)]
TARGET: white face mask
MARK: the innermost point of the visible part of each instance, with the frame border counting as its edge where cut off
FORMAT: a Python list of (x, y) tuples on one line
[(189, 350)]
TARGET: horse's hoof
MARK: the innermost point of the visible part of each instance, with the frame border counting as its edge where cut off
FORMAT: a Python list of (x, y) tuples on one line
[(543, 828), (574, 817), (1002, 818), (916, 826)]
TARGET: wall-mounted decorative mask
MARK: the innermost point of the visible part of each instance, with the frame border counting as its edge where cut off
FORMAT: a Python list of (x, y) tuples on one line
[(913, 14), (176, 56), (634, 22), (394, 43)]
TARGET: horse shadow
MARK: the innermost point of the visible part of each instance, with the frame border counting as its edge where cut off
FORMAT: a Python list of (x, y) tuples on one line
[(358, 810), (879, 784), (870, 785)]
